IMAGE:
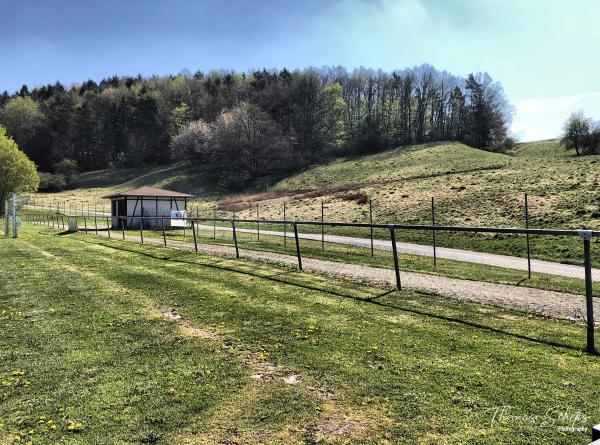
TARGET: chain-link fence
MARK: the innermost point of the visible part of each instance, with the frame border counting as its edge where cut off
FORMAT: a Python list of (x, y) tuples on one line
[(10, 220)]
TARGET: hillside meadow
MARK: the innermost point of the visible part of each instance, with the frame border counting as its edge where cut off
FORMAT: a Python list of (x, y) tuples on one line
[(470, 186)]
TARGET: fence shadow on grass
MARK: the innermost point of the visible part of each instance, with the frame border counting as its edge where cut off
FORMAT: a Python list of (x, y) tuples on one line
[(183, 257)]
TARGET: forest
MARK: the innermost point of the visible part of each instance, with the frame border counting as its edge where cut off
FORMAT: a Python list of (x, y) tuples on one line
[(250, 126)]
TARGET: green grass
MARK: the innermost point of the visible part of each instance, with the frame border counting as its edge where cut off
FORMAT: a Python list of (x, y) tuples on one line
[(81, 318), (381, 258)]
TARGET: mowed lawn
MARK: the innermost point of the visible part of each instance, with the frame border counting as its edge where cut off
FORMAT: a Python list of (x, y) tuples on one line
[(105, 341)]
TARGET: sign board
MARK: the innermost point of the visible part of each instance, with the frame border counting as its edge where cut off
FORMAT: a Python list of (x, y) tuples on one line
[(177, 218)]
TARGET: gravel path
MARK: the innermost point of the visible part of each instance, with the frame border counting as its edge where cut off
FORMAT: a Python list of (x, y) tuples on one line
[(549, 303), (490, 259)]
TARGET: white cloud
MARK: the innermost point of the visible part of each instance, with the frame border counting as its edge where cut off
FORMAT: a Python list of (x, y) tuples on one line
[(543, 118)]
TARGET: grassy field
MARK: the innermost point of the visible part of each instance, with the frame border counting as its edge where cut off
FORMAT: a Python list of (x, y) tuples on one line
[(471, 187), (111, 342)]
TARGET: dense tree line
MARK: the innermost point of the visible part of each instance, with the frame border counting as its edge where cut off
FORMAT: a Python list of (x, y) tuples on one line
[(252, 124)]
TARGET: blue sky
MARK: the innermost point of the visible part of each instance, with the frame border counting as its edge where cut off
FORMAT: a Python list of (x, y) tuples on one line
[(546, 53)]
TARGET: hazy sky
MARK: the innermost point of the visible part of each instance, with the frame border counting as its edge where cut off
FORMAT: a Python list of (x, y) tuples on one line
[(546, 53)]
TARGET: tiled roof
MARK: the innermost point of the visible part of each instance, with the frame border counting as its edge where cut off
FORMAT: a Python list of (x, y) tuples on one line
[(151, 192)]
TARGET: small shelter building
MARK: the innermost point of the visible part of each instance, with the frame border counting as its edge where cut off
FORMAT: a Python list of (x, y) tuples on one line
[(147, 206)]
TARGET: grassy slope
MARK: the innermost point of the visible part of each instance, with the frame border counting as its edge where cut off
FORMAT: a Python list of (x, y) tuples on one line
[(403, 367), (471, 187)]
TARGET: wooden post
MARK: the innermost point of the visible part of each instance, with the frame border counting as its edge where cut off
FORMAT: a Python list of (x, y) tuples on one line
[(433, 231), (194, 234), (589, 300), (297, 246), (528, 243), (322, 226), (371, 222), (284, 226), (237, 250), (395, 253), (257, 225)]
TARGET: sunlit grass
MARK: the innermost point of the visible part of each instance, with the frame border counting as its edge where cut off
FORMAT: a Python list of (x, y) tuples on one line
[(80, 319)]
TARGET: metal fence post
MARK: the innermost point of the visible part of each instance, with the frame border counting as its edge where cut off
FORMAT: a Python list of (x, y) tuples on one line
[(237, 250), (162, 220), (589, 300), (395, 253), (6, 218), (85, 224), (194, 235), (257, 225), (96, 224), (284, 225), (371, 222), (108, 227), (297, 246), (14, 215), (215, 223), (142, 229), (322, 226), (433, 231), (528, 244), (123, 220)]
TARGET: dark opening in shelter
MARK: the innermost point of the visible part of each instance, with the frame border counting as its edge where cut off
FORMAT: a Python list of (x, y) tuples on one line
[(148, 205)]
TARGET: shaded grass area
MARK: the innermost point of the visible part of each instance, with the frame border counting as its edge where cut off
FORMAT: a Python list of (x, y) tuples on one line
[(401, 366), (380, 258)]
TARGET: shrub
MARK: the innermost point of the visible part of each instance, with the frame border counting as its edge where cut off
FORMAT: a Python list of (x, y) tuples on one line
[(52, 182)]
